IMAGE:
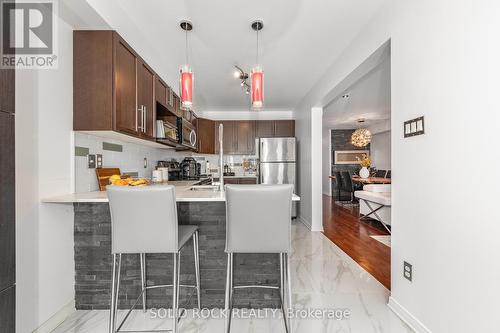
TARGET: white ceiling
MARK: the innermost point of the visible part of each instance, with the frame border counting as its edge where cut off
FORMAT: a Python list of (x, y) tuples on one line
[(299, 40), (369, 98)]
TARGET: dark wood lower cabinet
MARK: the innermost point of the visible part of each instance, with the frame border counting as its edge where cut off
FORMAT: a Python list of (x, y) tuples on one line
[(7, 202), (239, 180), (8, 310), (249, 181)]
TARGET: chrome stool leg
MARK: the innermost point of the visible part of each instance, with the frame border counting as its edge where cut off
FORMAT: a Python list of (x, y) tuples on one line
[(112, 313), (289, 289), (175, 297), (115, 290), (143, 280), (176, 285), (197, 267), (229, 292), (282, 290)]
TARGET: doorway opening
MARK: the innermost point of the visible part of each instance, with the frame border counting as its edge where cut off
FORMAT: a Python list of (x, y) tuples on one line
[(357, 173)]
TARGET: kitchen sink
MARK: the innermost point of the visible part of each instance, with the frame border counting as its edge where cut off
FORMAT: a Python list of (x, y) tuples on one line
[(214, 188)]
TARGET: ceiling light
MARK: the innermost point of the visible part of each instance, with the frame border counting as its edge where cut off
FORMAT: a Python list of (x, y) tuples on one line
[(237, 74), (186, 74), (257, 74), (345, 96), (361, 137)]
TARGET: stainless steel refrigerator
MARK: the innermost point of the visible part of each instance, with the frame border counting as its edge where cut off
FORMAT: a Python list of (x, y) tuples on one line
[(277, 158)]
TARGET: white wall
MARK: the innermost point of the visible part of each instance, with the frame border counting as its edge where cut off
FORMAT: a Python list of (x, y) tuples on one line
[(247, 115), (444, 57), (380, 150), (44, 148), (326, 153)]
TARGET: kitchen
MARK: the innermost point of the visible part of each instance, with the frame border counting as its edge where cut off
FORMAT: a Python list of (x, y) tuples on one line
[(132, 102), (132, 128)]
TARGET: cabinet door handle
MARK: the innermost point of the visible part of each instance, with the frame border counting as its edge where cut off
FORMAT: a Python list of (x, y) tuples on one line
[(144, 117), (136, 121)]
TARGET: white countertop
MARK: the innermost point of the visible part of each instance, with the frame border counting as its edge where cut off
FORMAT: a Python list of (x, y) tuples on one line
[(235, 176), (182, 191)]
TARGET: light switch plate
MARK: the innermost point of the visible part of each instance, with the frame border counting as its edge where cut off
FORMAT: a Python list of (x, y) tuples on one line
[(407, 271), (91, 160), (99, 160), (414, 127)]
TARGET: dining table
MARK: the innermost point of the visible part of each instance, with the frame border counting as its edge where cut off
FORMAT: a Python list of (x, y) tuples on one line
[(369, 180)]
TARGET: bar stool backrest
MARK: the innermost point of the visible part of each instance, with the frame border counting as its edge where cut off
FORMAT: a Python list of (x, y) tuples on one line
[(258, 218), (143, 219)]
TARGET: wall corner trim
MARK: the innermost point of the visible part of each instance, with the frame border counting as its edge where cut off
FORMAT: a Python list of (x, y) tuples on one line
[(407, 317), (53, 322), (304, 222)]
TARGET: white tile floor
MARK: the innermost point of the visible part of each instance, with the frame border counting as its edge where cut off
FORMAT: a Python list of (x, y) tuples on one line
[(323, 277)]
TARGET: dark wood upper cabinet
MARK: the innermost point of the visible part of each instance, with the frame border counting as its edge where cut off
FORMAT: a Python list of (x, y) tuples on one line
[(7, 90), (264, 129), (244, 133), (93, 94), (145, 99), (161, 92), (284, 128), (114, 89), (206, 136), (274, 128), (228, 137), (127, 115)]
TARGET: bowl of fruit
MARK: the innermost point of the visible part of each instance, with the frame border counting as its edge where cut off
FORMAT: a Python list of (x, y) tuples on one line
[(118, 180)]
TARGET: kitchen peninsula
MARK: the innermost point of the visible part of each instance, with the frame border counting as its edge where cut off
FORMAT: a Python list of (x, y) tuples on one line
[(199, 206)]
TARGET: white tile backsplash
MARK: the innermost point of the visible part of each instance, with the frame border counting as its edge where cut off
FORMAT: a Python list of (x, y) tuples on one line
[(131, 159)]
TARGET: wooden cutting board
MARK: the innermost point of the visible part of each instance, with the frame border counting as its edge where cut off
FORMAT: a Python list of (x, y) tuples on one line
[(103, 175)]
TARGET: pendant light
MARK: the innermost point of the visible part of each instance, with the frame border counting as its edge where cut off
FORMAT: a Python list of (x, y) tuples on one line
[(186, 74), (257, 75), (361, 137)]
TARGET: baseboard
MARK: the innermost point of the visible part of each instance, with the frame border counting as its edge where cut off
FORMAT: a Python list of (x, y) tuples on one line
[(304, 222), (407, 317), (56, 320)]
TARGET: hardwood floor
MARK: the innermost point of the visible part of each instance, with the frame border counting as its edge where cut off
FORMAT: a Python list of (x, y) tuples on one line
[(343, 227)]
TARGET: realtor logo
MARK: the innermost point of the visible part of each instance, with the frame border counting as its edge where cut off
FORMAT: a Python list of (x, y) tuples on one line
[(28, 35)]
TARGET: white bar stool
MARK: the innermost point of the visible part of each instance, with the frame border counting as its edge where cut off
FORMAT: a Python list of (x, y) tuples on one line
[(258, 220), (144, 220)]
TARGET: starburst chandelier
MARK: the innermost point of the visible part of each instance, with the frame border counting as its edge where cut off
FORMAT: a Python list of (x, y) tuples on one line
[(361, 137)]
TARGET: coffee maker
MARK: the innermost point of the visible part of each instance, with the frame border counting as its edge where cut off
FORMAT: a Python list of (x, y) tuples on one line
[(190, 169)]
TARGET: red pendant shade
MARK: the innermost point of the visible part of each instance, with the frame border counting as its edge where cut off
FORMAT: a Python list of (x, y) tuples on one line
[(186, 87), (257, 88)]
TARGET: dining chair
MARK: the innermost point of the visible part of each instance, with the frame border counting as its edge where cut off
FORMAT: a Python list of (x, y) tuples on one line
[(388, 174), (347, 184), (380, 173), (338, 183)]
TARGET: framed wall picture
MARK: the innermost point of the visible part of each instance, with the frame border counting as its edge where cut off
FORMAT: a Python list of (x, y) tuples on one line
[(349, 156)]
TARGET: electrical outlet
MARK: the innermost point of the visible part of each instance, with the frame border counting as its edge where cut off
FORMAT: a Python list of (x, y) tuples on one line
[(407, 271), (98, 161), (91, 160)]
